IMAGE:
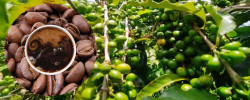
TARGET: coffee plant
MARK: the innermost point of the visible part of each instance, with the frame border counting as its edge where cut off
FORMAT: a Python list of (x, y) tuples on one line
[(154, 49)]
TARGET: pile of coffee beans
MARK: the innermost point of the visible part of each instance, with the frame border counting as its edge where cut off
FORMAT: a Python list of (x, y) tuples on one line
[(50, 14)]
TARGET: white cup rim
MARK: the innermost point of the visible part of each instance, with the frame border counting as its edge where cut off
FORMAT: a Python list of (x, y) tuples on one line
[(74, 50)]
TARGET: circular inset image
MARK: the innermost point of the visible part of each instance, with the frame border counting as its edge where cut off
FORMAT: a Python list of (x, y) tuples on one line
[(50, 49)]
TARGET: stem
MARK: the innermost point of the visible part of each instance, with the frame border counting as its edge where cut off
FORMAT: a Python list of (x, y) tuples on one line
[(105, 87), (244, 6), (151, 33), (204, 37), (72, 5), (217, 43), (233, 75), (125, 47)]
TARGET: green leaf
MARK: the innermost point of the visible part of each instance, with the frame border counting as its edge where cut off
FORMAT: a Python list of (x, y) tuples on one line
[(187, 7), (141, 12), (158, 84), (241, 18), (3, 19), (242, 68), (116, 2), (225, 23), (175, 93), (243, 33)]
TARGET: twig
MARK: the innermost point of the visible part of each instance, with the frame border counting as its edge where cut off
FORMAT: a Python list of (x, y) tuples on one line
[(204, 37), (125, 47), (244, 6), (151, 33), (105, 87), (72, 4), (233, 75)]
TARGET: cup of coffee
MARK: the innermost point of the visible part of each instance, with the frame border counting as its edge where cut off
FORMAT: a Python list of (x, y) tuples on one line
[(50, 49)]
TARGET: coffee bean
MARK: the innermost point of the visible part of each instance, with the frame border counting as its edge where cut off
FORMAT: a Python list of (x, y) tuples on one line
[(11, 65), (12, 50), (32, 9), (19, 54), (65, 73), (54, 84), (43, 8), (51, 22), (60, 22), (84, 48), (25, 69), (34, 73), (25, 28), (84, 37), (14, 34), (6, 45), (68, 88), (45, 14), (76, 73), (23, 82), (39, 85), (33, 17), (89, 66), (85, 77), (36, 25), (58, 8), (73, 30), (18, 71), (53, 16), (58, 84), (82, 24), (20, 19), (23, 41), (93, 58), (73, 64), (68, 14)]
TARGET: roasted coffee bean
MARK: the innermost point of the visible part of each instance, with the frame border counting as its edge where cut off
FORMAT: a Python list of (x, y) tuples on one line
[(93, 59), (53, 16), (25, 69), (89, 66), (24, 83), (14, 34), (82, 24), (18, 71), (55, 84), (51, 22), (39, 85), (23, 41), (6, 55), (11, 65), (44, 14), (43, 8), (36, 25), (19, 54), (34, 73), (58, 8), (12, 50), (73, 64), (84, 48), (68, 88), (25, 28), (68, 14), (60, 22), (76, 73), (20, 19), (65, 73), (58, 84), (84, 37), (73, 30), (31, 9), (33, 17)]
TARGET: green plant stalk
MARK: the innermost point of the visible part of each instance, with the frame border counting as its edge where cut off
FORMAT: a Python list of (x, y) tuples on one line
[(244, 6), (233, 75), (72, 5), (105, 87)]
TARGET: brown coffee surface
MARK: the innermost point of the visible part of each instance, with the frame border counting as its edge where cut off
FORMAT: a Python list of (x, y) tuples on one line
[(50, 49)]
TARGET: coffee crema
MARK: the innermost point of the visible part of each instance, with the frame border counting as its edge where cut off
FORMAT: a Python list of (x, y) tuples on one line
[(50, 49)]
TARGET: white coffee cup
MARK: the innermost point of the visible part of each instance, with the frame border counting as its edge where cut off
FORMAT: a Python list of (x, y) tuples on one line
[(59, 28)]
